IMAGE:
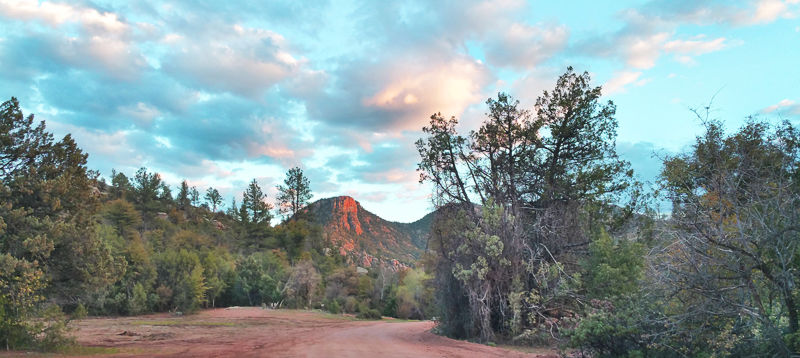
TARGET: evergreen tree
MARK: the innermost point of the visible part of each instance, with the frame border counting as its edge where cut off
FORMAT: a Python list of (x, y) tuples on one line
[(213, 198), (194, 196), (255, 204), (295, 193), (147, 190), (183, 196)]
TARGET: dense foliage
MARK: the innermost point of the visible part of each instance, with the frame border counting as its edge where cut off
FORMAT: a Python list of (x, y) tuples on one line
[(543, 237), (523, 195)]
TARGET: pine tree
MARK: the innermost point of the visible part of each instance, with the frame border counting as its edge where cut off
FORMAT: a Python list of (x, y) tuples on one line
[(295, 192)]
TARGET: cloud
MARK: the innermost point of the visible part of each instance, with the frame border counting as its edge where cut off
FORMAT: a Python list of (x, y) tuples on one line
[(246, 61), (621, 79), (390, 162), (397, 94), (644, 38), (766, 11), (104, 38), (784, 107), (707, 12), (523, 46)]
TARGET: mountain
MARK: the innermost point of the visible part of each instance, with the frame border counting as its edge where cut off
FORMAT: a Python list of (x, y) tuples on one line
[(365, 238)]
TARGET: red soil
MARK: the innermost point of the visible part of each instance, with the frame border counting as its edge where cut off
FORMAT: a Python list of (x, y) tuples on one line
[(254, 332)]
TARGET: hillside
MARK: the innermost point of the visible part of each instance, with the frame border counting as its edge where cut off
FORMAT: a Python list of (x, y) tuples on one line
[(366, 238)]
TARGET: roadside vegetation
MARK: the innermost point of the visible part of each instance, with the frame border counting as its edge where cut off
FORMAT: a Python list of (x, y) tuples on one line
[(545, 238)]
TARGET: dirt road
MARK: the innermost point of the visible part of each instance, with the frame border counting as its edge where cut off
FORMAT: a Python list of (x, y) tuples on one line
[(253, 332)]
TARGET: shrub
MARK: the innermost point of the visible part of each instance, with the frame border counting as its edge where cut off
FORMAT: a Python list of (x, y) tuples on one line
[(351, 304), (365, 312), (333, 307), (79, 312)]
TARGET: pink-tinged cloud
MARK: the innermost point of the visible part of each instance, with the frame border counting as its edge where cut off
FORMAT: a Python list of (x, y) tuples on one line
[(767, 11), (742, 13), (414, 91), (105, 39), (56, 14), (394, 175)]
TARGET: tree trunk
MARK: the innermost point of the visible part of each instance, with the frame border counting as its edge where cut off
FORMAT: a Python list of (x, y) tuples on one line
[(791, 309)]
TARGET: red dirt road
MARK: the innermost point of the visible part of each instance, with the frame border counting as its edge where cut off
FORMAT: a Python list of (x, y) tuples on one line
[(253, 332)]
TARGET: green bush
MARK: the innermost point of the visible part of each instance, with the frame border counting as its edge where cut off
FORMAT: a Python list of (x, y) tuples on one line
[(52, 330), (333, 307), (390, 307), (79, 312), (365, 312)]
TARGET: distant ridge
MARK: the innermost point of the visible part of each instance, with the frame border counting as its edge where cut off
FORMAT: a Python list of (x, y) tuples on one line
[(365, 238)]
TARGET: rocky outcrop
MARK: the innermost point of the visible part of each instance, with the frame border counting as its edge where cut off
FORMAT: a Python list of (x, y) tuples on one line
[(365, 238)]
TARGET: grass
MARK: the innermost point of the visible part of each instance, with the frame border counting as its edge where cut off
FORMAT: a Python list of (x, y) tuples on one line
[(72, 350), (336, 316), (86, 350), (399, 320), (181, 323)]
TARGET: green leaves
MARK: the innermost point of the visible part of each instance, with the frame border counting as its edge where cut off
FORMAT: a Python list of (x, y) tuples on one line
[(613, 268)]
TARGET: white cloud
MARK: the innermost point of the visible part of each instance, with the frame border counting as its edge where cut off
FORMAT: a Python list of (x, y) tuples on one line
[(523, 46), (785, 106), (621, 79), (642, 52), (246, 61)]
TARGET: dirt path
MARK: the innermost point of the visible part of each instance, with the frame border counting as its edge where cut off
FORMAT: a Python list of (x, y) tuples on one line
[(253, 332), (385, 339)]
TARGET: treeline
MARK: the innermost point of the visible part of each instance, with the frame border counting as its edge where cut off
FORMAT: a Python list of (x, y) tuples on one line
[(73, 244), (545, 237)]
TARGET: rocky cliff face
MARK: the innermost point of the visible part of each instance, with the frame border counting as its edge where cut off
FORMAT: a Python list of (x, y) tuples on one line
[(365, 238)]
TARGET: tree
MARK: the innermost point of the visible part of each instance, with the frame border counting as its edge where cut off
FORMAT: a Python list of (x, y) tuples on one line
[(120, 185), (47, 202), (735, 223), (544, 181), (302, 284), (255, 205), (183, 200), (295, 192), (213, 198), (261, 277), (194, 196), (147, 188)]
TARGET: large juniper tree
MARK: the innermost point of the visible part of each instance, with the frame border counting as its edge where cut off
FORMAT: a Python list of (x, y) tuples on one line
[(545, 179)]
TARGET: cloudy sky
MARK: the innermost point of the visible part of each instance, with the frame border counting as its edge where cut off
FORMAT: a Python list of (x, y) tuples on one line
[(221, 92)]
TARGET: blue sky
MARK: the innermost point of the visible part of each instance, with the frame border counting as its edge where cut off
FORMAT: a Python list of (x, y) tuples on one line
[(221, 92)]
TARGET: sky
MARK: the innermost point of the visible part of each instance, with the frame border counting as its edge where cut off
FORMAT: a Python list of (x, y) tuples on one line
[(222, 92)]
